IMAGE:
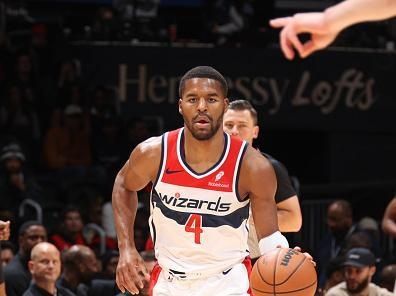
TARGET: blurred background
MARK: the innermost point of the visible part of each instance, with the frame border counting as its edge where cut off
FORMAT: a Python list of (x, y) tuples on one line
[(83, 81)]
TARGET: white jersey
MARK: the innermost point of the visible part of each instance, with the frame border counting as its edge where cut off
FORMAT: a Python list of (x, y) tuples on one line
[(198, 221)]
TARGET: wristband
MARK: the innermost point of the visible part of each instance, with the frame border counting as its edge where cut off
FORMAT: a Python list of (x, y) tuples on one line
[(272, 241)]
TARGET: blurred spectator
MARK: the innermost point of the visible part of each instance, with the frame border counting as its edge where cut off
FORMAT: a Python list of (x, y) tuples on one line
[(7, 252), (16, 183), (70, 230), (359, 271), (16, 273), (338, 240), (69, 75), (45, 268), (387, 278), (108, 220), (334, 273), (79, 268), (107, 146), (18, 118), (105, 25), (137, 131), (109, 264), (26, 79), (227, 20), (139, 17), (67, 148)]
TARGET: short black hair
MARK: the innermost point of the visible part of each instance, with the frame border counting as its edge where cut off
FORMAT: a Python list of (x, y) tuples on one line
[(203, 72), (25, 226), (242, 105), (68, 209), (7, 245)]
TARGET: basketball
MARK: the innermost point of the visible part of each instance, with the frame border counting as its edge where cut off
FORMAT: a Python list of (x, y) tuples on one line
[(283, 272)]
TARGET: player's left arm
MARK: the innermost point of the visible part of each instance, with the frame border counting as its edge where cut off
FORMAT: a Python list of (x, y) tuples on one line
[(258, 180)]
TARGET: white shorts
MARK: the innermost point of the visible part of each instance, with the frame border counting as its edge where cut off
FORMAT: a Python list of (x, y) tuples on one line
[(234, 282)]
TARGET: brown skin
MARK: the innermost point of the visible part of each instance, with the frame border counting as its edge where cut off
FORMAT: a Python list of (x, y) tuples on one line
[(4, 235), (202, 105), (389, 219)]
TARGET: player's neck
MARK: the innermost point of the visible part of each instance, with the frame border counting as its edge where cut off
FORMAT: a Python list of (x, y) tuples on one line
[(203, 153)]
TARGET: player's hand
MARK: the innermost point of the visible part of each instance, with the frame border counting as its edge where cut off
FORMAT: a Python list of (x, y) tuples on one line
[(4, 230), (306, 255), (131, 271), (313, 23)]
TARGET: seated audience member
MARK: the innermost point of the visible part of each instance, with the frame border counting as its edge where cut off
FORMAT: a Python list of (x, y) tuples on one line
[(387, 277), (7, 252), (16, 274), (359, 269), (16, 184), (70, 230), (67, 147), (109, 264), (79, 268), (334, 273), (343, 234), (45, 268)]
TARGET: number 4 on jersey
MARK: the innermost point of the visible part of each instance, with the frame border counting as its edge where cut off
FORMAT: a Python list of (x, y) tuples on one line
[(194, 225)]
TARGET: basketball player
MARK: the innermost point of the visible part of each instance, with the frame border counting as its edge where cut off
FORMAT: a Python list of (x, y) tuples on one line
[(240, 120), (389, 218), (325, 26), (202, 179)]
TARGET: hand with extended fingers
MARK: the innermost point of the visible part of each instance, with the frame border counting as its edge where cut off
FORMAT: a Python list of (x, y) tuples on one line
[(313, 23), (131, 271)]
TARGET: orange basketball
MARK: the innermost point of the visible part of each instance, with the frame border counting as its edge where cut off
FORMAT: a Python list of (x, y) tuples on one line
[(283, 272)]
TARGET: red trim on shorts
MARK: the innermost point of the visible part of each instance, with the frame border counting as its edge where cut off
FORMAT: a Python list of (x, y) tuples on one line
[(154, 278), (248, 264)]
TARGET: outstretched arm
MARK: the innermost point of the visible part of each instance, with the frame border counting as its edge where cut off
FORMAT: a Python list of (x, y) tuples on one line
[(325, 26), (138, 171)]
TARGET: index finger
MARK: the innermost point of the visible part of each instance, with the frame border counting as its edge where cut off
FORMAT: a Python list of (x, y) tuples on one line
[(280, 22)]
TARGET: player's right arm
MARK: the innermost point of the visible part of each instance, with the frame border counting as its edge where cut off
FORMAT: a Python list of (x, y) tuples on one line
[(140, 169), (389, 219), (325, 26)]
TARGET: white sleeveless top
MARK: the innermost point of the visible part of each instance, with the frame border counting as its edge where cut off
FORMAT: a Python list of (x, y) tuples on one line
[(198, 221)]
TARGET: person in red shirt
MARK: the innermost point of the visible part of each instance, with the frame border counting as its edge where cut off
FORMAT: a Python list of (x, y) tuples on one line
[(70, 230)]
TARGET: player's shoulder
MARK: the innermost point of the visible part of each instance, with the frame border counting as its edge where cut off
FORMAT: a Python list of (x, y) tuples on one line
[(254, 160), (148, 148)]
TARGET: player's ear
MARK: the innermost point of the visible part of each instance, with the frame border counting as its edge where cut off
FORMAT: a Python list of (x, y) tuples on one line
[(256, 130), (372, 270), (180, 108), (226, 103)]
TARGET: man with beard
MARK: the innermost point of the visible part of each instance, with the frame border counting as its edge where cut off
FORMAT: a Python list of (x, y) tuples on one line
[(199, 207), (16, 274), (79, 267), (359, 268)]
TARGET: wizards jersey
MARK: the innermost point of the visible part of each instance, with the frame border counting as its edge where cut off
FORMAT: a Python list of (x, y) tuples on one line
[(198, 221)]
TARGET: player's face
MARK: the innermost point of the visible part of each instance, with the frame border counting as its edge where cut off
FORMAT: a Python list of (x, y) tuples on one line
[(358, 278), (240, 123), (202, 105)]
